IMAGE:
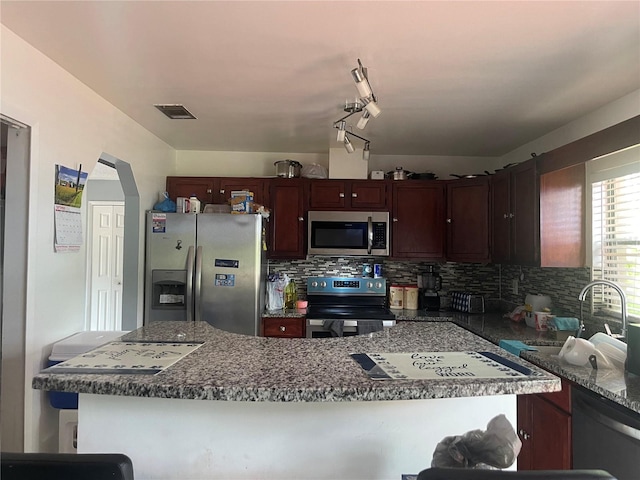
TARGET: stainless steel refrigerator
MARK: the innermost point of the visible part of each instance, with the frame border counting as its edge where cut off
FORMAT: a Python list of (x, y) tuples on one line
[(205, 267)]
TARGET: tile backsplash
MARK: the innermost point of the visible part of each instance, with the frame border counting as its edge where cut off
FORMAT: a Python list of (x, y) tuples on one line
[(492, 281)]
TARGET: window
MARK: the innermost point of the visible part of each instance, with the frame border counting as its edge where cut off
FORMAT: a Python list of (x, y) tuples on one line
[(614, 193)]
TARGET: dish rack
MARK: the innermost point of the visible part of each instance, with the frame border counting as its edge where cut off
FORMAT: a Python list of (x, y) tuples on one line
[(467, 302)]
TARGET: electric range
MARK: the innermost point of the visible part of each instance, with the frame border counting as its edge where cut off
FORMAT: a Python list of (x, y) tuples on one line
[(347, 306)]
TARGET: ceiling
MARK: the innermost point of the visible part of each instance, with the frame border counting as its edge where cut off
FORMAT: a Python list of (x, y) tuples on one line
[(452, 78)]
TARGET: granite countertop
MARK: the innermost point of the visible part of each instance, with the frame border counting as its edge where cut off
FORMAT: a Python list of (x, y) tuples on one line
[(614, 384), (237, 367)]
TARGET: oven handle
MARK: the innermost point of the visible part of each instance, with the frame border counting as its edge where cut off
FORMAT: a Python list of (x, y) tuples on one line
[(369, 235), (619, 427)]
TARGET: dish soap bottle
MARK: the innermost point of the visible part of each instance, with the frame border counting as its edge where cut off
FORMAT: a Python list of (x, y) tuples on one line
[(290, 295), (194, 204)]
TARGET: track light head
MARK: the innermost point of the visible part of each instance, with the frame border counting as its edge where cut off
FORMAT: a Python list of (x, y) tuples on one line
[(348, 145), (364, 119), (366, 153), (341, 126), (372, 107)]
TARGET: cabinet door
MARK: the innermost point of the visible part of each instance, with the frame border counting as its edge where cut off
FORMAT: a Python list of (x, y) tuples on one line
[(545, 431), (327, 194), (418, 220), (562, 218), (368, 194), (228, 184), (468, 220), (203, 187), (500, 218), (286, 223), (525, 223)]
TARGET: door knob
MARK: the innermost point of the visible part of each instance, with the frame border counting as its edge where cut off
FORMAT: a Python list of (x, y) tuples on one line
[(354, 195), (282, 328)]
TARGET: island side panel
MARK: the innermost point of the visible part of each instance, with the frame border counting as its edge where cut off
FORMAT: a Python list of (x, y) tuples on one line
[(193, 439)]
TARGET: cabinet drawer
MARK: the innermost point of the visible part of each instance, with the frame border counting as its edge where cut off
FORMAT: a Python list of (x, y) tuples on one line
[(283, 327)]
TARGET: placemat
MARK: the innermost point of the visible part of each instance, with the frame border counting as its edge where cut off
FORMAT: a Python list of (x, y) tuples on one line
[(438, 365), (127, 357)]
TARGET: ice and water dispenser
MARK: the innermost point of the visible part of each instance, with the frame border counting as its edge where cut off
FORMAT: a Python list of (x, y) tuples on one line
[(168, 295)]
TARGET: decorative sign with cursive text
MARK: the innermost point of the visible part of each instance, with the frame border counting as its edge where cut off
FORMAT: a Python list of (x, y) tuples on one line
[(127, 357), (438, 365)]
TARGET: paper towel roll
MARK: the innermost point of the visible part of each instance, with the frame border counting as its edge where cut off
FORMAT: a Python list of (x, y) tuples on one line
[(538, 302)]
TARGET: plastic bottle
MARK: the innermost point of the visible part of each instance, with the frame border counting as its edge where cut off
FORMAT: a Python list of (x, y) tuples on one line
[(290, 295), (194, 204)]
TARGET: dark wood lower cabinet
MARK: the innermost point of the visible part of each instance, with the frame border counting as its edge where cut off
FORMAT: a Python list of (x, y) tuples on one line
[(544, 427), (284, 327)]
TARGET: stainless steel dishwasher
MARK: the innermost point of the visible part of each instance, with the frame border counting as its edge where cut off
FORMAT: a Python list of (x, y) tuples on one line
[(605, 435)]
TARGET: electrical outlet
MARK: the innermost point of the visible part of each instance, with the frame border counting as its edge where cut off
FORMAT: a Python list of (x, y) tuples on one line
[(514, 286)]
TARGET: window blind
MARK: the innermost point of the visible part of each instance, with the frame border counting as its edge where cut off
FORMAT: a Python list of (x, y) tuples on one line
[(615, 234)]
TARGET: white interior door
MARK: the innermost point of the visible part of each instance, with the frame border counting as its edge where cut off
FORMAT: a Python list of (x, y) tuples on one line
[(105, 260)]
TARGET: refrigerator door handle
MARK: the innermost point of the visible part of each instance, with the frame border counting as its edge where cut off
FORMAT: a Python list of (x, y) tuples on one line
[(198, 285), (190, 260)]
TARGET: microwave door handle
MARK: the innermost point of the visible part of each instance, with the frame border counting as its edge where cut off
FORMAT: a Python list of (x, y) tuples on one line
[(369, 235)]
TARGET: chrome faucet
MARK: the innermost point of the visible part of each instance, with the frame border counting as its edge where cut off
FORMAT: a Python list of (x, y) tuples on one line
[(623, 306)]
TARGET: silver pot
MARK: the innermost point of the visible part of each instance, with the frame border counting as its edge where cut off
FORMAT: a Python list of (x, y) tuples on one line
[(288, 168), (399, 174)]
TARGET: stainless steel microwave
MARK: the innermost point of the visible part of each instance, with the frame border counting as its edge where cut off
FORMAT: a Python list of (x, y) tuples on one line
[(348, 233)]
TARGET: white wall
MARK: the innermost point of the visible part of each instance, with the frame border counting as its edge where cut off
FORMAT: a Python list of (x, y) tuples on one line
[(260, 164), (71, 125), (611, 114)]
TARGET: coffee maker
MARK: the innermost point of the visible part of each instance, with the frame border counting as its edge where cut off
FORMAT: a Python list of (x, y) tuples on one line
[(430, 283)]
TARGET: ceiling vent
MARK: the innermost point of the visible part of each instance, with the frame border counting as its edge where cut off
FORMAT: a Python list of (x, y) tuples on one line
[(176, 112)]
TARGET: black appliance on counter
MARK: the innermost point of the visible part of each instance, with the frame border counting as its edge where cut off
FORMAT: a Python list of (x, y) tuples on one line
[(342, 306), (429, 283)]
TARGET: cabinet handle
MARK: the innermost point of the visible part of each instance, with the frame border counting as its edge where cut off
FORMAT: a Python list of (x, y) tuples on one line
[(209, 190), (505, 216), (524, 435), (221, 191), (301, 219), (282, 328), (511, 215), (448, 220), (395, 219), (341, 195), (354, 195)]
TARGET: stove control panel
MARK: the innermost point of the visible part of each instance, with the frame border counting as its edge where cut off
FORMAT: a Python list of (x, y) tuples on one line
[(343, 285)]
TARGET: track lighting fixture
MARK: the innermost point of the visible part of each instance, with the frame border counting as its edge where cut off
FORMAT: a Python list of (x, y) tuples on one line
[(367, 103)]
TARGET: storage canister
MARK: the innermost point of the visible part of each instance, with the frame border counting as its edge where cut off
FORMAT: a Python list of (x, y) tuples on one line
[(411, 297), (396, 297)]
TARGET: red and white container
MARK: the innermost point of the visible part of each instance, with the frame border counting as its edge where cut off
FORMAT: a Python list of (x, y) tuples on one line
[(396, 297), (411, 297)]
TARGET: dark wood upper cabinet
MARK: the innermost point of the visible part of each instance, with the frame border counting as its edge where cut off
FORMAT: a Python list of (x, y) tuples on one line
[(468, 220), (286, 201), (562, 218), (348, 194), (229, 184), (418, 219), (515, 215), (214, 189), (203, 187), (369, 194)]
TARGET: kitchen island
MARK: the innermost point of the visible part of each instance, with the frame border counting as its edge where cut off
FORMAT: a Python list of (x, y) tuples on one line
[(251, 407)]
